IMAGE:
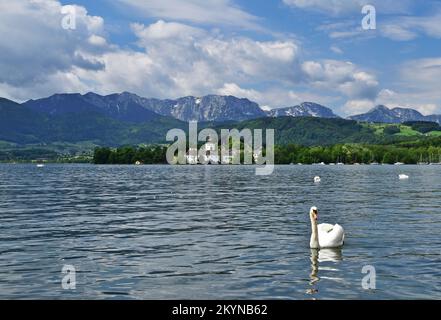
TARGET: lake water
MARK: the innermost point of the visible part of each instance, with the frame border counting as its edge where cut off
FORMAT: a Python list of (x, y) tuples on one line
[(217, 232)]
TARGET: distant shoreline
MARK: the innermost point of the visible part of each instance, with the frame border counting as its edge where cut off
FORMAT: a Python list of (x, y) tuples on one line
[(407, 152)]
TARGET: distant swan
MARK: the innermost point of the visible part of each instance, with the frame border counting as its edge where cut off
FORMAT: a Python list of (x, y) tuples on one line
[(325, 235), (317, 179), (403, 177)]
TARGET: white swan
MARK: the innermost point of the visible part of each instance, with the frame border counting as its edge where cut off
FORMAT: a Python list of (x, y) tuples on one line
[(325, 235), (403, 177), (317, 179)]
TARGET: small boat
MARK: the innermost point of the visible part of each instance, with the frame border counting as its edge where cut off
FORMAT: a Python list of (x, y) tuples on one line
[(40, 165), (317, 179), (375, 164), (398, 163), (340, 164), (403, 177)]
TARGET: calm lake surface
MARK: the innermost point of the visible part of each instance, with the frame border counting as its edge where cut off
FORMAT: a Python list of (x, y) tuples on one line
[(217, 232)]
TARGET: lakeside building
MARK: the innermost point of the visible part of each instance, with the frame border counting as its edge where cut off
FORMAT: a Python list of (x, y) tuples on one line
[(209, 155)]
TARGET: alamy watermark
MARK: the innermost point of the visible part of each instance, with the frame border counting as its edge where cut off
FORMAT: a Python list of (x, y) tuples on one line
[(369, 22), (69, 20), (231, 147), (369, 281), (69, 280)]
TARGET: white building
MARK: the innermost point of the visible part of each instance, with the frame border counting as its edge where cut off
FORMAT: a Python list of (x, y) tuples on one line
[(211, 154), (257, 155), (192, 156), (226, 159)]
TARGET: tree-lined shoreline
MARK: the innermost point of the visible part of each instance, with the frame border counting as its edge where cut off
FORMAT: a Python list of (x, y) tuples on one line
[(410, 153)]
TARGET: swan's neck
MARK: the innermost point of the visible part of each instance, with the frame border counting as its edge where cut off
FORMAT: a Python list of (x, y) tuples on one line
[(314, 244)]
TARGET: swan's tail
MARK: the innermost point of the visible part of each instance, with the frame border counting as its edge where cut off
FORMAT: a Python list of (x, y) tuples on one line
[(340, 232)]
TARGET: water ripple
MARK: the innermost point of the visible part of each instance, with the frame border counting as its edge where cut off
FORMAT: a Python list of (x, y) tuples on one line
[(150, 232)]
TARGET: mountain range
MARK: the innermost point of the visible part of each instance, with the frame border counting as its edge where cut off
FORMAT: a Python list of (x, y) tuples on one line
[(306, 109), (130, 107), (383, 114), (133, 108), (127, 118)]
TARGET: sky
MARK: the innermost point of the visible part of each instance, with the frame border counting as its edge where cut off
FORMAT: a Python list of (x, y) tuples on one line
[(277, 53)]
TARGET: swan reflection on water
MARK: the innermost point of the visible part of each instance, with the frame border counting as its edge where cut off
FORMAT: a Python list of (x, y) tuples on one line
[(318, 257)]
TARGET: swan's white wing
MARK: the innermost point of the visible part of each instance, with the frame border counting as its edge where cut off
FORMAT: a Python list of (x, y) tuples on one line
[(325, 227), (331, 236)]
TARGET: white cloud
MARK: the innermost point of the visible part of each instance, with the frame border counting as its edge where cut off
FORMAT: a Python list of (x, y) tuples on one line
[(243, 58), (422, 73), (98, 41), (408, 28), (274, 97), (344, 7), (172, 60), (336, 49), (211, 12), (344, 34), (397, 32), (60, 81), (34, 46), (345, 29), (162, 30), (394, 27), (345, 77), (353, 107), (417, 87), (196, 62), (232, 89)]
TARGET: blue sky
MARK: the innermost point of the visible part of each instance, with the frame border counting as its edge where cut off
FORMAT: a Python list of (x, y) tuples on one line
[(276, 52)]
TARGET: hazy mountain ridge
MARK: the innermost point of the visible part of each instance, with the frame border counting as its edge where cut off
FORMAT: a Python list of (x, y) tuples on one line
[(305, 109), (208, 108), (131, 107), (124, 107), (382, 114)]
